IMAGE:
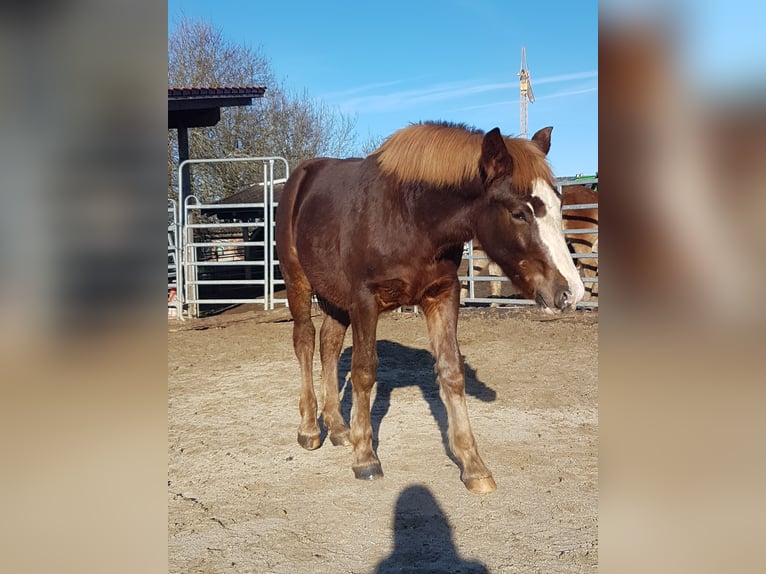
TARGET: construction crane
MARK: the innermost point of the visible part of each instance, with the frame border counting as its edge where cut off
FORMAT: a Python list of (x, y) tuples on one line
[(525, 94)]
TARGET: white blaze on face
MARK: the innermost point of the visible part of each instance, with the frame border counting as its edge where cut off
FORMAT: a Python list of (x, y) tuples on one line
[(552, 236)]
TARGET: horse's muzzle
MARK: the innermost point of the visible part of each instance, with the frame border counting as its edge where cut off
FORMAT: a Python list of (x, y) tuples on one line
[(563, 299)]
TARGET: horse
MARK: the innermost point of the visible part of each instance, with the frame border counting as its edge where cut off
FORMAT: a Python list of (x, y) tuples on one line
[(583, 243), (368, 235), (580, 243)]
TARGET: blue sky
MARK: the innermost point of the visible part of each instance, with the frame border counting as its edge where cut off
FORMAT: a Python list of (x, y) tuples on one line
[(397, 62)]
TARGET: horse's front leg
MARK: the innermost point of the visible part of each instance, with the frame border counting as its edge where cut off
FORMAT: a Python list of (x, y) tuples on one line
[(364, 366), (441, 311)]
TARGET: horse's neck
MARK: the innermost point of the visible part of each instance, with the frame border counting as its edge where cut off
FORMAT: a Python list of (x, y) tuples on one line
[(449, 217)]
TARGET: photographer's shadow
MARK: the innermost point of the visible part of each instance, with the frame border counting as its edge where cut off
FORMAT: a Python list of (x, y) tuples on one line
[(423, 541)]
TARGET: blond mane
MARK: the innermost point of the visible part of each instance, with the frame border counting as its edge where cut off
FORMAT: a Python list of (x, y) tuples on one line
[(443, 155)]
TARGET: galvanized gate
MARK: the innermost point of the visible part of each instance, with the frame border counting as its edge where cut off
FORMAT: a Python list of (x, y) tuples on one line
[(229, 262)]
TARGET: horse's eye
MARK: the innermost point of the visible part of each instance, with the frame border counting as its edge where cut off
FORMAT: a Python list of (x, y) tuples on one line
[(520, 215)]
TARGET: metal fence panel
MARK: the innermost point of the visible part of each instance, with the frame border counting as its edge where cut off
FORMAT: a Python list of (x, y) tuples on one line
[(229, 262)]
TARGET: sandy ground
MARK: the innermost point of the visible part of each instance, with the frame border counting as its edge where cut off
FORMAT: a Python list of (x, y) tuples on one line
[(243, 496)]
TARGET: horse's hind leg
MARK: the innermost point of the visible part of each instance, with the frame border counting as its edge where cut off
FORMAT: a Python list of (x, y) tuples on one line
[(331, 338), (304, 333), (441, 311)]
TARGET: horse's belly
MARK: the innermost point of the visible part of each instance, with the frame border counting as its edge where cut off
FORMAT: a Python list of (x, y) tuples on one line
[(414, 283), (393, 293)]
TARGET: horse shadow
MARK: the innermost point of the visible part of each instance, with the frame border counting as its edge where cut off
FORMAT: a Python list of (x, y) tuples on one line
[(400, 366), (423, 539)]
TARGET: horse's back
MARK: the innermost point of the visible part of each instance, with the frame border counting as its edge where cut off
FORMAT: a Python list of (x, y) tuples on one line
[(580, 218), (311, 193), (583, 219)]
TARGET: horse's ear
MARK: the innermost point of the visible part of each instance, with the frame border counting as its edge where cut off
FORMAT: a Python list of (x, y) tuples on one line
[(495, 160), (543, 139)]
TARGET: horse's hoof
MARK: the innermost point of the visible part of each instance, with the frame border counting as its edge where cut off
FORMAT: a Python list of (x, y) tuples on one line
[(369, 472), (484, 485), (341, 439), (308, 441)]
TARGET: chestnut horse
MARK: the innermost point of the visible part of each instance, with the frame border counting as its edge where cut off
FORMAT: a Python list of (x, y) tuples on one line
[(370, 235), (583, 243)]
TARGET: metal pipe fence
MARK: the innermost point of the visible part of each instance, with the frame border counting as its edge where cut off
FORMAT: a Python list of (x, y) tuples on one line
[(229, 262)]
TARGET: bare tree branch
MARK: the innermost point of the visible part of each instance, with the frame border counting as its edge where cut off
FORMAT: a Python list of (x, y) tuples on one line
[(290, 125)]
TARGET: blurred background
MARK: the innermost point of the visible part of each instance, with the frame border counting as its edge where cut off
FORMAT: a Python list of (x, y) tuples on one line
[(83, 149), (682, 144), (82, 338)]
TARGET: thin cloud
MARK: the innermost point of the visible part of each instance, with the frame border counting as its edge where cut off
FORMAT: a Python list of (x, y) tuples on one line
[(570, 93), (498, 104), (417, 96), (515, 102), (403, 99), (564, 77), (358, 90)]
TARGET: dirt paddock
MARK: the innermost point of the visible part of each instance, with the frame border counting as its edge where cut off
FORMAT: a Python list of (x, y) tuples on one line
[(243, 496)]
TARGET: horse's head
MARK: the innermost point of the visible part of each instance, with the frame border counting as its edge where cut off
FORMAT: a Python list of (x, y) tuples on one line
[(520, 225)]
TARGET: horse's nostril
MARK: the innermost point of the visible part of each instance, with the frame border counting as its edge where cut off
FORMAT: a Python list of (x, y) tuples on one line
[(565, 297)]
